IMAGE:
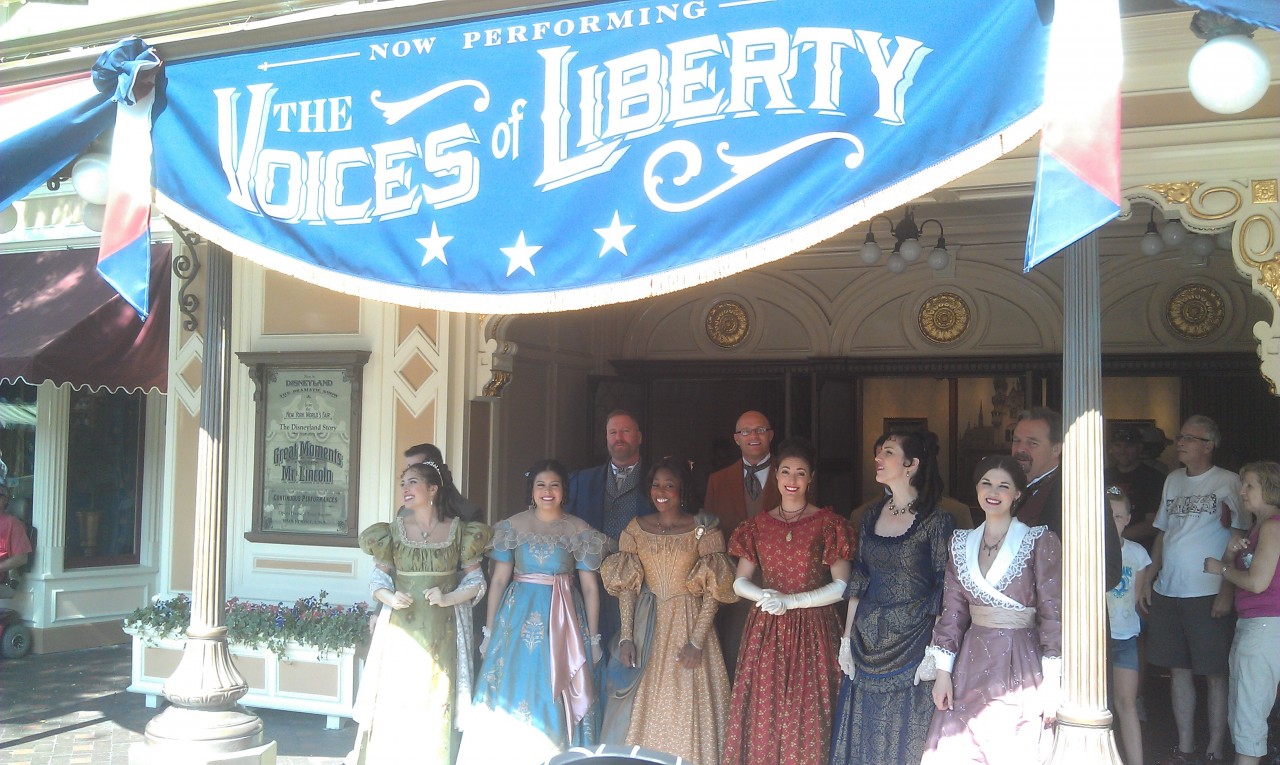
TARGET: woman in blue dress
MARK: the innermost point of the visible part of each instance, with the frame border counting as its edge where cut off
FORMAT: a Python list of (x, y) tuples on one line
[(883, 712), (538, 690)]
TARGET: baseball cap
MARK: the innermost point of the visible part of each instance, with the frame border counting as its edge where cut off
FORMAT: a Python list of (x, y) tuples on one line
[(1126, 434)]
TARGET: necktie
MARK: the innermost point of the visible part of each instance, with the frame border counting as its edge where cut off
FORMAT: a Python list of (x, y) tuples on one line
[(620, 476), (751, 479)]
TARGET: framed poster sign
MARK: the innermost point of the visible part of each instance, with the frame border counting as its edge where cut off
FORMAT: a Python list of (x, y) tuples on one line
[(307, 447)]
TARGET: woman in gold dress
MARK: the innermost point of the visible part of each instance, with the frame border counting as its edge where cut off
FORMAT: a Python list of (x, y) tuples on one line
[(682, 702)]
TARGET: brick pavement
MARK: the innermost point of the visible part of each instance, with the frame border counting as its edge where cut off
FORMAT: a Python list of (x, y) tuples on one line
[(71, 708)]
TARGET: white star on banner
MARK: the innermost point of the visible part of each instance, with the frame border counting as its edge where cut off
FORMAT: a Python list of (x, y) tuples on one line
[(614, 235), (521, 255), (435, 246)]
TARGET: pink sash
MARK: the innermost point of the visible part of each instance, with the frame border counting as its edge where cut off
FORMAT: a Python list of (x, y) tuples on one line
[(568, 680)]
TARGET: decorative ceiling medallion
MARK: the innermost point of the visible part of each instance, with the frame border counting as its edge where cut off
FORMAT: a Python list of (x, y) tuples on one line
[(727, 323), (944, 317), (1195, 311)]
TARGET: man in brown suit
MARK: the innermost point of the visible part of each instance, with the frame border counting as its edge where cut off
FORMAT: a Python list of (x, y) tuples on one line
[(735, 494), (745, 488)]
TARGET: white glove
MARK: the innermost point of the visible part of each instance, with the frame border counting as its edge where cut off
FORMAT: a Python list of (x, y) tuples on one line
[(484, 644), (597, 653), (926, 670), (846, 659), (829, 593), (749, 590), (773, 603), (745, 588)]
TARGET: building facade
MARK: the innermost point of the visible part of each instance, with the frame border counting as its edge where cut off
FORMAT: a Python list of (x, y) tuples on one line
[(827, 345)]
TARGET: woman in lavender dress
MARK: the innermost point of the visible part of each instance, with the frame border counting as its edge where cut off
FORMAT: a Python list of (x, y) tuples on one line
[(998, 641)]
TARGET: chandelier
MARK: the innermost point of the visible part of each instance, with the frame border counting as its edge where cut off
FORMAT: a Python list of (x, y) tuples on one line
[(1171, 234), (906, 247)]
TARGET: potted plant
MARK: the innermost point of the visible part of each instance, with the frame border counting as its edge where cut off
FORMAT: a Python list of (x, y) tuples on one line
[(298, 657)]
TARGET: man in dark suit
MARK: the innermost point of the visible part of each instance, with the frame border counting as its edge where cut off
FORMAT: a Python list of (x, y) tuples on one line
[(1037, 446), (608, 496), (734, 494)]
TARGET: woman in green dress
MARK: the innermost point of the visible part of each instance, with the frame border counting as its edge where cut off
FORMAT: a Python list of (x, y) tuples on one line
[(419, 661)]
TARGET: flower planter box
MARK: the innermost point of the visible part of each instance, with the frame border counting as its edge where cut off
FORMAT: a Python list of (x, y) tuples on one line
[(298, 681)]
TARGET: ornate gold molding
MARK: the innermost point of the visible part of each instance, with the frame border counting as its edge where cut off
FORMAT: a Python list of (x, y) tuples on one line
[(1270, 277), (1237, 201), (1196, 311), (1249, 233), (1177, 192), (944, 317), (727, 323), (1250, 207), (498, 380), (1264, 192)]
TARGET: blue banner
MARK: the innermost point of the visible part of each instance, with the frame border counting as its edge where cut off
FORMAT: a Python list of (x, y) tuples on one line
[(590, 155)]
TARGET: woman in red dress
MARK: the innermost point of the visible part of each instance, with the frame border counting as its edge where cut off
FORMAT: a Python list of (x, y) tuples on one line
[(785, 687)]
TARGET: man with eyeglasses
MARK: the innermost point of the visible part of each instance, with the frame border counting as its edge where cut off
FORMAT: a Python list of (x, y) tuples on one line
[(1190, 611), (743, 489), (734, 494)]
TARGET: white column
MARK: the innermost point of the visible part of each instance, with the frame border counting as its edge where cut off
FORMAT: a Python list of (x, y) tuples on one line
[(1084, 722), (205, 724)]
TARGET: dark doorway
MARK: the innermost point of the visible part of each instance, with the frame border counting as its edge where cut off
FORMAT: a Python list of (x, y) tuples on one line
[(689, 408)]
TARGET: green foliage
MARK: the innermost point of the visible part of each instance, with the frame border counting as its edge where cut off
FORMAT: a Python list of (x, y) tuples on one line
[(313, 622)]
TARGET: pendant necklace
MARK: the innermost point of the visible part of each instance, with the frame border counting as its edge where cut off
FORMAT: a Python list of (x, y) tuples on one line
[(425, 532), (790, 519), (986, 548)]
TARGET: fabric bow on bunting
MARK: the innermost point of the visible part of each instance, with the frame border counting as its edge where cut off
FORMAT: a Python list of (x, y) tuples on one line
[(130, 69)]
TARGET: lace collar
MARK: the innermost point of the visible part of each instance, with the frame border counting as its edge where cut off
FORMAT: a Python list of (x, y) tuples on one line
[(1011, 561)]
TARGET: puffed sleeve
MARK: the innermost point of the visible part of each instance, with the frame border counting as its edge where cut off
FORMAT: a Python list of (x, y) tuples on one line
[(504, 542), (940, 530), (376, 541), (953, 622), (713, 573), (837, 540), (711, 579), (1046, 558), (588, 547), (622, 574), (860, 572), (475, 539), (742, 543)]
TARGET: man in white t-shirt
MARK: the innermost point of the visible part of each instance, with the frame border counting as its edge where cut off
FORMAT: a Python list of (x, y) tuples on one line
[(1190, 611)]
